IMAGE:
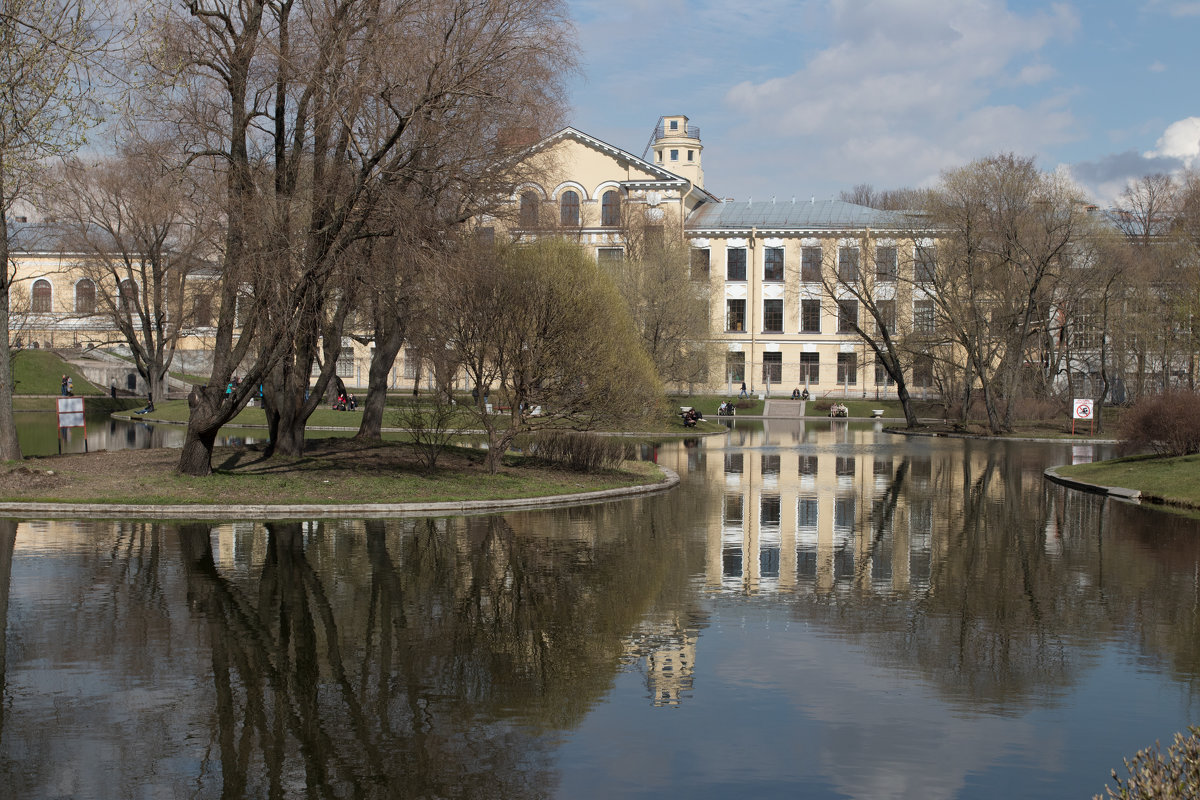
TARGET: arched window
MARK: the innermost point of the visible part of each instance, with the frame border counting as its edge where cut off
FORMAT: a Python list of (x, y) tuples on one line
[(128, 297), (569, 208), (529, 209), (41, 295), (610, 209), (85, 297)]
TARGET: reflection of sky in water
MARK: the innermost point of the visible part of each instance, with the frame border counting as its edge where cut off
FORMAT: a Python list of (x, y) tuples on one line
[(781, 709)]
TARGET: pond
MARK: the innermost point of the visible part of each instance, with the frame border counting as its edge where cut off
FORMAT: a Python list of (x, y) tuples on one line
[(818, 610)]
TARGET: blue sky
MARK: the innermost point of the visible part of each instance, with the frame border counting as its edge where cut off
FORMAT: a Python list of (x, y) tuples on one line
[(808, 97)]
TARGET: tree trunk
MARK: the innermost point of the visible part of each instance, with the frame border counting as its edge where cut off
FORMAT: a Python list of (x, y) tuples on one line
[(10, 446), (371, 425)]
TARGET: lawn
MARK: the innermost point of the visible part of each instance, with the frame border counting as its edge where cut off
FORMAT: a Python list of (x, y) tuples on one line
[(1168, 480), (41, 371)]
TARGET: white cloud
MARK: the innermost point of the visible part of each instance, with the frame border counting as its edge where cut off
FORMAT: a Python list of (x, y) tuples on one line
[(904, 90), (1158, 66), (1180, 140)]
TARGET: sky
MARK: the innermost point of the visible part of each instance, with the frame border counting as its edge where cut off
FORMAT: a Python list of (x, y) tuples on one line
[(806, 98)]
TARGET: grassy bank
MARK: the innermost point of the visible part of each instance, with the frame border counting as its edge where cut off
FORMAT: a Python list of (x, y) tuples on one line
[(332, 471), (1168, 480)]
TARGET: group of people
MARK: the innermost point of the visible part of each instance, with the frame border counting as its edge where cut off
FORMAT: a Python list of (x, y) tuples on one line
[(800, 395), (691, 417), (68, 386), (345, 402), (725, 409), (838, 410)]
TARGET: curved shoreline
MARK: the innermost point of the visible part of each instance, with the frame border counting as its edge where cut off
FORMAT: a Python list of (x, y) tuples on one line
[(331, 511), (989, 438), (1119, 492)]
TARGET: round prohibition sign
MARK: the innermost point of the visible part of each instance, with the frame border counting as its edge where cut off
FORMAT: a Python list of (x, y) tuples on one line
[(1083, 410)]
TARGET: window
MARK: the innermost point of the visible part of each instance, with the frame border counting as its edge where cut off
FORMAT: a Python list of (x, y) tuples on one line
[(923, 371), (882, 378), (887, 267), (202, 311), (847, 315), (1085, 329), (808, 466), (345, 363), (810, 316), (128, 296), (735, 367), (923, 316), (847, 368), (609, 255), (674, 155), (610, 209), (810, 264), (844, 466), (85, 296), (735, 264), (699, 263), (848, 264), (772, 316), (735, 315), (772, 368), (691, 155), (529, 209), (734, 510), (810, 367), (674, 124), (925, 266), (412, 363), (770, 464), (41, 296), (773, 264), (569, 208), (886, 311)]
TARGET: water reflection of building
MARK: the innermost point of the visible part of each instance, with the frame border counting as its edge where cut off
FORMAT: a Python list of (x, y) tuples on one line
[(815, 507), (666, 653)]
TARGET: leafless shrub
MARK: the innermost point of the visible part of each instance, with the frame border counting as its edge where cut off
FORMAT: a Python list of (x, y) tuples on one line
[(1152, 775), (582, 452), (432, 426), (1167, 424)]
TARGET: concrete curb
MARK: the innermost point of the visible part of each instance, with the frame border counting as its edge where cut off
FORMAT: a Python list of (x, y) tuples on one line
[(1119, 492), (981, 437), (328, 511)]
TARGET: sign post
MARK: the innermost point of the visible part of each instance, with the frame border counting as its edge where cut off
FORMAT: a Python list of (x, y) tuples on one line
[(1081, 409), (70, 415)]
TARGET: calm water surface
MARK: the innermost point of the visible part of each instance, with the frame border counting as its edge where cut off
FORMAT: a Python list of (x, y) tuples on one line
[(819, 610)]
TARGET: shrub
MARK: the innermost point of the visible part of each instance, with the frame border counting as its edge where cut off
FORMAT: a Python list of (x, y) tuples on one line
[(582, 452), (1168, 424), (1151, 775), (432, 426)]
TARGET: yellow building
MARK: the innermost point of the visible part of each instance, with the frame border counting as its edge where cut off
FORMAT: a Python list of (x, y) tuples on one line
[(778, 315)]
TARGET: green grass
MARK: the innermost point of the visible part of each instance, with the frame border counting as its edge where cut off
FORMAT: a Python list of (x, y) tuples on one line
[(1168, 480), (41, 371)]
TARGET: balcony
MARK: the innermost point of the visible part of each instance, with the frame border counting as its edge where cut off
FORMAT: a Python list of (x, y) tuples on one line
[(664, 132)]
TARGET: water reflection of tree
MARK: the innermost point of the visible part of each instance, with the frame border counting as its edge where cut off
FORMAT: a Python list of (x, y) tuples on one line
[(1019, 596), (432, 661)]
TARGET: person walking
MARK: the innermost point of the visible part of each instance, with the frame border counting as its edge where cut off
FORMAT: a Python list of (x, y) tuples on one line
[(743, 393), (65, 379)]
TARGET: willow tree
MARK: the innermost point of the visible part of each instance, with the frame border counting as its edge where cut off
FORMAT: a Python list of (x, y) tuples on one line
[(315, 114), (547, 338), (47, 48)]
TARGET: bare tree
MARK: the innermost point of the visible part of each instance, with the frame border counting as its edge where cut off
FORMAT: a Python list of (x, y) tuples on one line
[(868, 275), (669, 305), (46, 50), (140, 233), (1006, 231), (315, 113)]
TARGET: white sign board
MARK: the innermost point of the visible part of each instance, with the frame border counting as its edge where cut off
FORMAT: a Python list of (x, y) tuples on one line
[(1081, 409), (70, 412)]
